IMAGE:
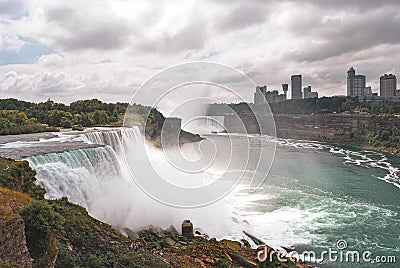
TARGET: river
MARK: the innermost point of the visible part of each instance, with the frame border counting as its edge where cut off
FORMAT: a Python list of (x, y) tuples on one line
[(315, 194)]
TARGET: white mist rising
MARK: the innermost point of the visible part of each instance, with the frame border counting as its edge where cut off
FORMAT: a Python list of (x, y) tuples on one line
[(98, 179)]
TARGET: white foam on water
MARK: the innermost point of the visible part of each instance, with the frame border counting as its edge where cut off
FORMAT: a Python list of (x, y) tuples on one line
[(362, 158)]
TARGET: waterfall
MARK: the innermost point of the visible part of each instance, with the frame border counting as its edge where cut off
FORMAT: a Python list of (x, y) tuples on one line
[(116, 138), (206, 124), (82, 174), (215, 121), (76, 174), (99, 180)]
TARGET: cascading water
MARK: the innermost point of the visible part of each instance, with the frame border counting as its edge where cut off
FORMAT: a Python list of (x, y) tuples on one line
[(206, 124), (86, 175), (76, 174), (99, 180), (113, 138)]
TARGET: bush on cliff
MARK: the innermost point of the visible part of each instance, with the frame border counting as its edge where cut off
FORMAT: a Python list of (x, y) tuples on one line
[(40, 219), (18, 176)]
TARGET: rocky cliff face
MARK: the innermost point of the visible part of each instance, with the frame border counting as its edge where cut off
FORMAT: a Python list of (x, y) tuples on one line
[(322, 127), (13, 249)]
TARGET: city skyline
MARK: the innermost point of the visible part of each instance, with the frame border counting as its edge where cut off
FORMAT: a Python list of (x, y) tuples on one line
[(356, 86), (67, 49)]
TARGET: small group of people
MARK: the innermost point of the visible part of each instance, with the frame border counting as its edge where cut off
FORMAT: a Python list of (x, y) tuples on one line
[(136, 246)]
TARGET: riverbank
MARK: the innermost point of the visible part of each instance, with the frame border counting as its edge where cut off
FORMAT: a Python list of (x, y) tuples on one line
[(370, 141)]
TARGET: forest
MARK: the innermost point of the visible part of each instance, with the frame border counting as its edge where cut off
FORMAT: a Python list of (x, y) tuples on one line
[(18, 117)]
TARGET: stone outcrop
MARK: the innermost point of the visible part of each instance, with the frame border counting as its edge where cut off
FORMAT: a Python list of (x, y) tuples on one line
[(187, 229), (13, 249)]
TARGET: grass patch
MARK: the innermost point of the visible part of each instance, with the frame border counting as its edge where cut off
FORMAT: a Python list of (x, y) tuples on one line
[(11, 203)]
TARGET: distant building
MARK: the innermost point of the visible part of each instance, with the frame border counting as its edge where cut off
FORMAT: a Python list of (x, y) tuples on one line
[(271, 95), (260, 96), (388, 85), (306, 91), (296, 86), (285, 90), (355, 83), (312, 95), (275, 97), (367, 91), (359, 85), (375, 97), (351, 73), (280, 98), (308, 94)]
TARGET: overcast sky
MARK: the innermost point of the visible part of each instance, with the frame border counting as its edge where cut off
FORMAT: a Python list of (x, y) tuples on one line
[(69, 50)]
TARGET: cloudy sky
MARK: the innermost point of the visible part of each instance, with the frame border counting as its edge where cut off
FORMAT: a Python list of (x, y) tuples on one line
[(68, 49)]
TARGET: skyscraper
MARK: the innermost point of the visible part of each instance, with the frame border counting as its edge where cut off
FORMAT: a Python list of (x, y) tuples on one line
[(296, 86), (351, 73), (359, 85), (388, 84), (355, 83)]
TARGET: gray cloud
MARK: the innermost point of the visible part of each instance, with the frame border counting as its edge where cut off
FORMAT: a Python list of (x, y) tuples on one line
[(360, 5), (80, 30), (350, 34), (191, 37), (245, 15), (11, 7)]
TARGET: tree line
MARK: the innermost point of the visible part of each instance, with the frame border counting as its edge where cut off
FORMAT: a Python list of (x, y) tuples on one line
[(336, 104), (17, 117)]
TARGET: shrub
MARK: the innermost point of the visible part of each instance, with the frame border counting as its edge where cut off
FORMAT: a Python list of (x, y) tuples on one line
[(40, 219)]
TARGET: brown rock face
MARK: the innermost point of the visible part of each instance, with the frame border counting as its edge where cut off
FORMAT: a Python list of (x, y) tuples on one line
[(13, 249)]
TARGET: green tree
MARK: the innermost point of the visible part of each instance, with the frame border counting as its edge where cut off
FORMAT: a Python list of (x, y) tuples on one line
[(40, 219), (100, 117)]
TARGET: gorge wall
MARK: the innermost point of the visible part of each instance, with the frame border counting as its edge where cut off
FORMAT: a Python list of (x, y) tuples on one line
[(314, 127), (13, 249)]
